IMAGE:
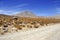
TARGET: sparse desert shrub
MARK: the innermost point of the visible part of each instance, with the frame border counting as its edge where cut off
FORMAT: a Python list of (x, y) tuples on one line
[(17, 26), (36, 26), (29, 26), (27, 20)]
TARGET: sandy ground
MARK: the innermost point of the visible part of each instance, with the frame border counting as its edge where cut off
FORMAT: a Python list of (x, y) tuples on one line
[(51, 32)]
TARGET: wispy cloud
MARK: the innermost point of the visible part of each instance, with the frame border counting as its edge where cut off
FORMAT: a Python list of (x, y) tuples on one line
[(1, 10), (18, 7), (8, 12), (21, 5), (13, 9), (58, 10), (5, 12)]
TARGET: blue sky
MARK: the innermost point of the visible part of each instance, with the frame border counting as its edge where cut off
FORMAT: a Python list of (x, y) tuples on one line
[(39, 7)]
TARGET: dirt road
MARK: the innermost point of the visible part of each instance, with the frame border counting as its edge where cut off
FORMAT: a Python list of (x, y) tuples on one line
[(51, 32)]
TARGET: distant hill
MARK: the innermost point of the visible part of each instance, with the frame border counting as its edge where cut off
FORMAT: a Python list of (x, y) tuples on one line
[(57, 16), (4, 15), (25, 14), (29, 14)]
